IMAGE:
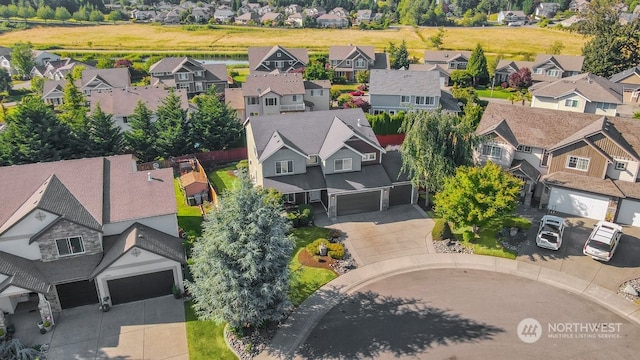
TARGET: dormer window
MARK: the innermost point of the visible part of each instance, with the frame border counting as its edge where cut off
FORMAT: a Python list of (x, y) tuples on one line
[(69, 246), (578, 163), (524, 148), (342, 164), (369, 156)]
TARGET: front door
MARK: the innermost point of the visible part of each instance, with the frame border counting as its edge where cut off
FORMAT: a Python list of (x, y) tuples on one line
[(314, 196)]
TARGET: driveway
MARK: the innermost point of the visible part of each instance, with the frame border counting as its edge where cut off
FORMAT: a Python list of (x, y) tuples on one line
[(625, 264), (380, 235), (150, 329)]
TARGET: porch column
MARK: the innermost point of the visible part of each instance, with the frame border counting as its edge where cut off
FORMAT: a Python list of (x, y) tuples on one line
[(384, 201), (45, 309), (332, 209), (3, 325)]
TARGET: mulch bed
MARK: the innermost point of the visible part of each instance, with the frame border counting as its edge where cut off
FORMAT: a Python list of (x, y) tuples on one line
[(307, 259)]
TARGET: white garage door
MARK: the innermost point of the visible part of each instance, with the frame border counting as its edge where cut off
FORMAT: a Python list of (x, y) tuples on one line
[(629, 213), (579, 203)]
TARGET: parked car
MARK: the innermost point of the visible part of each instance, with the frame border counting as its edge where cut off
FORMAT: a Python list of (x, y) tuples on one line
[(603, 241), (550, 232)]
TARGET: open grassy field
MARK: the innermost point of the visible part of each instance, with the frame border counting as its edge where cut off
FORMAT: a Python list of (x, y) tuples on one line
[(221, 40)]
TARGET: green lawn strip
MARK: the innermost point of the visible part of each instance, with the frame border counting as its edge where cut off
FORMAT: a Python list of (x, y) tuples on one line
[(189, 217), (205, 339), (346, 87), (241, 78), (498, 93), (485, 242), (222, 179), (305, 280)]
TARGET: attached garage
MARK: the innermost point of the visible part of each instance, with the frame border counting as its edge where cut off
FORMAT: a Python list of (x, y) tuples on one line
[(629, 212), (358, 202), (578, 203), (400, 195), (140, 287), (77, 293)]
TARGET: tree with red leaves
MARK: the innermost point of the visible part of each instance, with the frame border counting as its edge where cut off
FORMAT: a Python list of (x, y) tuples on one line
[(521, 79)]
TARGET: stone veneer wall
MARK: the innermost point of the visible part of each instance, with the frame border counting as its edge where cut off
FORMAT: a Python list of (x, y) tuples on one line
[(64, 229), (52, 297)]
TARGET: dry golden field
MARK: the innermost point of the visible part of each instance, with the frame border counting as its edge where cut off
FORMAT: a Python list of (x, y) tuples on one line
[(509, 42)]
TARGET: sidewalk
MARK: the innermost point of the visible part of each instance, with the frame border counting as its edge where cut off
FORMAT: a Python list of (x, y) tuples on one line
[(300, 324)]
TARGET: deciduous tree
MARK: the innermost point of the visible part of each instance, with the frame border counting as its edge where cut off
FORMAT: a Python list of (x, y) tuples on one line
[(478, 196), (241, 262), (520, 79), (22, 59)]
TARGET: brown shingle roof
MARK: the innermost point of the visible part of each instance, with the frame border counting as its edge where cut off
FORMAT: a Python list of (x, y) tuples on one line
[(234, 98), (566, 62), (123, 101), (281, 84), (257, 54), (193, 177), (584, 183), (443, 56), (116, 77), (592, 87), (339, 52)]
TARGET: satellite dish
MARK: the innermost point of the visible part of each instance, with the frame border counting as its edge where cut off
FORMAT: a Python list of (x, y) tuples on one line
[(156, 166)]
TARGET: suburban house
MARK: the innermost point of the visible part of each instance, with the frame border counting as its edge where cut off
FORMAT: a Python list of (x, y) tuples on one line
[(92, 80), (444, 74), (332, 21), (505, 68), (224, 15), (579, 164), (447, 61), (121, 102), (585, 93), (295, 19), (314, 11), (292, 9), (547, 10), (580, 6), (58, 69), (392, 91), (189, 74), (553, 67), (277, 58), (364, 16), (271, 18), (630, 81), (39, 58), (329, 157), (508, 17), (347, 61), (268, 94), (68, 240), (248, 18)]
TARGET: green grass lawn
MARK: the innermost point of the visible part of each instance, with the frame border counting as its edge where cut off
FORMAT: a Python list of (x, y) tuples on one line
[(205, 338), (498, 93), (345, 87), (189, 217), (242, 75), (485, 243), (223, 178)]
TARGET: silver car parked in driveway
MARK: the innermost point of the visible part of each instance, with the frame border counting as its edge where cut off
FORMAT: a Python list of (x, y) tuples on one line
[(603, 241), (550, 232)]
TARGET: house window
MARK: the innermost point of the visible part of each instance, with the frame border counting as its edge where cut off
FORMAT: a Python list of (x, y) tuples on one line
[(524, 148), (279, 64), (621, 165), (578, 163), (603, 105), (284, 167), (278, 54), (369, 157), (342, 164), (290, 62), (544, 161), (69, 246), (183, 86), (405, 99), (125, 119), (183, 76), (452, 65), (267, 63), (348, 62), (571, 103), (538, 71), (313, 160), (271, 101), (553, 73), (493, 151), (254, 114), (199, 73), (252, 100), (420, 100), (289, 198), (360, 63), (316, 93), (431, 100), (295, 98)]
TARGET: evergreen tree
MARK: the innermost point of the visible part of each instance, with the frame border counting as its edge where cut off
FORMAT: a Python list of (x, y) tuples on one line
[(22, 59), (5, 80), (34, 134), (73, 110), (173, 127), (104, 136), (215, 125), (141, 139), (477, 66), (399, 56), (241, 263)]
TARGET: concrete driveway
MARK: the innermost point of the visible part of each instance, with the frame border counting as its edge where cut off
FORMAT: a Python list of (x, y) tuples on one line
[(624, 265), (380, 235), (150, 329)]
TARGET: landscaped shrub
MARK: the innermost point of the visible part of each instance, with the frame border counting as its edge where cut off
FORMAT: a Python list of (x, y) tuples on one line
[(293, 218), (334, 250), (517, 222), (242, 164), (304, 217), (335, 233), (441, 230), (468, 236)]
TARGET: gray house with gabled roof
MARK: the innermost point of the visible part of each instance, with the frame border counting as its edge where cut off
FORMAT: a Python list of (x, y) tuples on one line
[(330, 157), (348, 60), (189, 74), (276, 59)]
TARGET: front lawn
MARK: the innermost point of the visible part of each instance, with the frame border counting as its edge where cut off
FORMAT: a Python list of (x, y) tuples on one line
[(223, 178), (343, 88), (306, 280), (189, 217), (484, 243), (205, 338)]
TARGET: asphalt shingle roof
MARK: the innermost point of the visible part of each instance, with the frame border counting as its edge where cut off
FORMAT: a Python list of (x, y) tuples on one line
[(123, 101), (22, 273), (592, 87), (371, 176), (404, 82), (313, 179)]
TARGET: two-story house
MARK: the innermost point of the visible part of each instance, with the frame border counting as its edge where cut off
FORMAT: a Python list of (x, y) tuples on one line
[(585, 93), (330, 157), (267, 94), (392, 91), (446, 60), (630, 81), (553, 67), (40, 58), (332, 21), (76, 231), (512, 17), (189, 74), (347, 61), (58, 69), (121, 103), (505, 68), (91, 80), (579, 164), (276, 58), (547, 10)]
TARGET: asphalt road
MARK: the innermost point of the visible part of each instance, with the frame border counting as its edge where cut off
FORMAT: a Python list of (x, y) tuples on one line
[(465, 314)]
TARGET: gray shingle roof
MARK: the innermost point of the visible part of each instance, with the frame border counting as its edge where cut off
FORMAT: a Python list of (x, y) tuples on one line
[(313, 179), (143, 237), (624, 74), (583, 182), (371, 176), (592, 87), (339, 52), (116, 77), (308, 130), (525, 168), (392, 163), (69, 269), (257, 55), (22, 273), (566, 62), (404, 82), (123, 101), (281, 84), (443, 56)]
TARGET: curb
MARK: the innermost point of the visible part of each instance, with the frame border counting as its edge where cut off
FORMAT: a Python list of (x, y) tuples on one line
[(300, 324)]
